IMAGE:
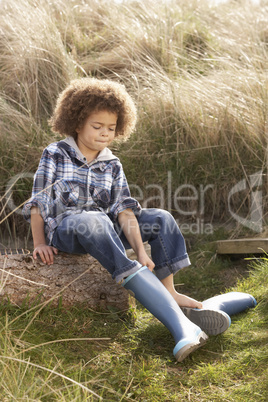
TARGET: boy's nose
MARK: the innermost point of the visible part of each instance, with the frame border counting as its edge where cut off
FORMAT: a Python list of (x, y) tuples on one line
[(104, 132)]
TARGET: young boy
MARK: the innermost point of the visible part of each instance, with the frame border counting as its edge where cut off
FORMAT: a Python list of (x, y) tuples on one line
[(81, 204)]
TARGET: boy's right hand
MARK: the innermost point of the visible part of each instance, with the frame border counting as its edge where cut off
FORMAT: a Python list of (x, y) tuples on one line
[(46, 253)]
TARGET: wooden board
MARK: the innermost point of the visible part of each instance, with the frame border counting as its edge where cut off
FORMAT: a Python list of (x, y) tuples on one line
[(242, 246)]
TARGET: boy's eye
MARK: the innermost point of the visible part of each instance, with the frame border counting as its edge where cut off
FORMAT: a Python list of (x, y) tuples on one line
[(99, 127)]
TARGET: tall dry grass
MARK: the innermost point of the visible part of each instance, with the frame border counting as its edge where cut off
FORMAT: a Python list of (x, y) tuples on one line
[(197, 72)]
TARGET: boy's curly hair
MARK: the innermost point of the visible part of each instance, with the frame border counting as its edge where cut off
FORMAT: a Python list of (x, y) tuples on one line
[(84, 96)]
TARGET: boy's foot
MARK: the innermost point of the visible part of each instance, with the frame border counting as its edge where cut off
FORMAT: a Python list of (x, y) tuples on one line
[(211, 321), (185, 301)]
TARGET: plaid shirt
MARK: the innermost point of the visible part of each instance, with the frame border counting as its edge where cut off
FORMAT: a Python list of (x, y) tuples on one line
[(66, 184)]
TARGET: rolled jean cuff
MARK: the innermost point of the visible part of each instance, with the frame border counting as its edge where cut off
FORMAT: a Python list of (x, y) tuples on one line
[(172, 267), (134, 268)]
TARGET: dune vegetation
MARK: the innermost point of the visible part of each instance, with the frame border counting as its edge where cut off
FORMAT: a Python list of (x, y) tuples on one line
[(197, 72)]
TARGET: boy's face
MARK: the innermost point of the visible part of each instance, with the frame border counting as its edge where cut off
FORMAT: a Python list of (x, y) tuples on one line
[(97, 133)]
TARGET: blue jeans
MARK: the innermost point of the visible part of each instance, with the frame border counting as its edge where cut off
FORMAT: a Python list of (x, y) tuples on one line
[(94, 233)]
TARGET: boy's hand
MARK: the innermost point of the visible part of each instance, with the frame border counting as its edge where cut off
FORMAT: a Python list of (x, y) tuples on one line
[(46, 253), (145, 260)]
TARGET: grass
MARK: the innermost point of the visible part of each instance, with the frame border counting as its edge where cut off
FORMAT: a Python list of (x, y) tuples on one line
[(65, 354)]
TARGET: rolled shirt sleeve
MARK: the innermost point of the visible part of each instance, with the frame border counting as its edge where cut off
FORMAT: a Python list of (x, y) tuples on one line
[(44, 179)]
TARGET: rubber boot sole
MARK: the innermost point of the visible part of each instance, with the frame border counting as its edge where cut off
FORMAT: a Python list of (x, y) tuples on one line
[(191, 347), (211, 321)]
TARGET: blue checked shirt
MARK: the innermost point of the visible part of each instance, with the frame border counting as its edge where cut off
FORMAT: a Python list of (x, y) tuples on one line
[(66, 184)]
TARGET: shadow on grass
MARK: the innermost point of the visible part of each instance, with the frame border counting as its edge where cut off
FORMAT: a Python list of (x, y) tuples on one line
[(156, 341)]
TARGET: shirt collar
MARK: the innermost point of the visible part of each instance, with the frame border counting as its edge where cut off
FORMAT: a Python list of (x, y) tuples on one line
[(104, 155)]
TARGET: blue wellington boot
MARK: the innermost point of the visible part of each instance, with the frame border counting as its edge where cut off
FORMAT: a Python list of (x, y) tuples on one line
[(231, 303), (213, 322), (214, 317), (153, 295)]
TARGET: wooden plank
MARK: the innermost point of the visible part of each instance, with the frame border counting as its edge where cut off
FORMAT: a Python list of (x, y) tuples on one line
[(242, 246)]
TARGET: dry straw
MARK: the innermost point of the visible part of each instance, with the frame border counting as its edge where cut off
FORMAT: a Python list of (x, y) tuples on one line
[(197, 73)]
